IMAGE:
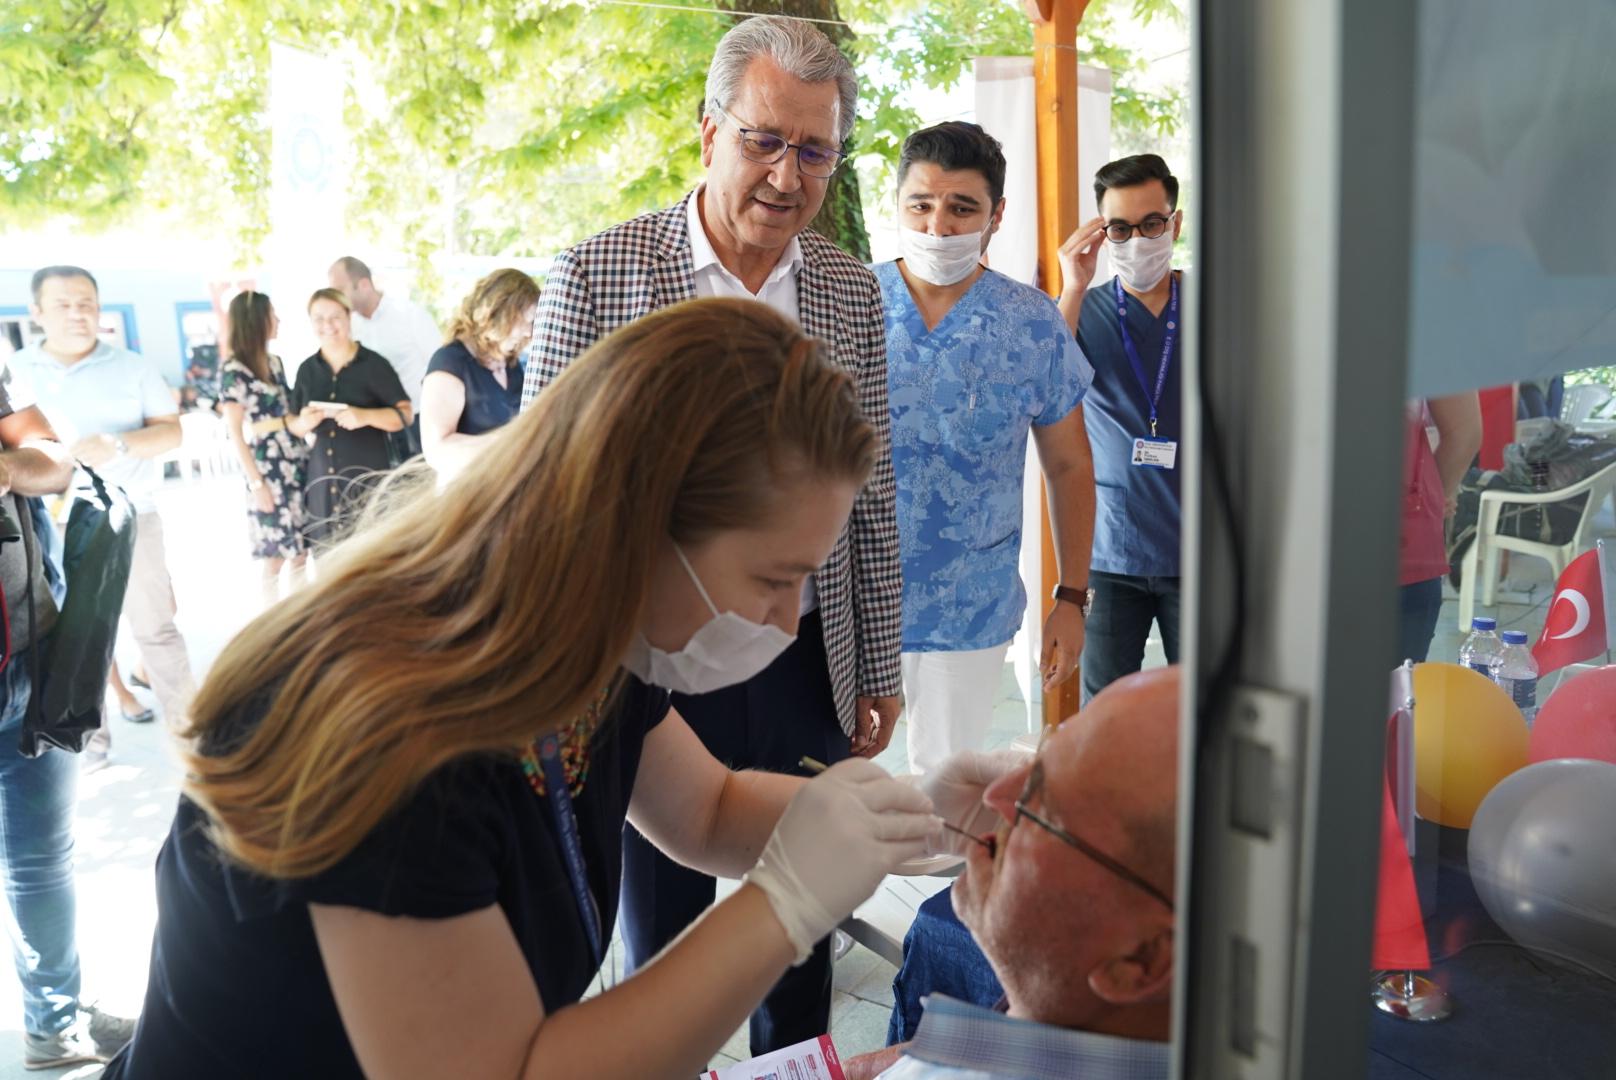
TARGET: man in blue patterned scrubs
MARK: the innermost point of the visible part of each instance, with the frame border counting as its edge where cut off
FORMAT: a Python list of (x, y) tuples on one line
[(975, 361)]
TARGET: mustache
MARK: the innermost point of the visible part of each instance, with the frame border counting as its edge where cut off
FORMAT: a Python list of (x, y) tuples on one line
[(767, 193)]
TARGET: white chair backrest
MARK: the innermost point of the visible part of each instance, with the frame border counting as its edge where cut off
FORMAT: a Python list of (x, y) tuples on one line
[(199, 428), (1581, 402)]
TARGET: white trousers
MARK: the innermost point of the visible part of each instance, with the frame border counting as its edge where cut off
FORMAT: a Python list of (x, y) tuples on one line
[(149, 608), (948, 701)]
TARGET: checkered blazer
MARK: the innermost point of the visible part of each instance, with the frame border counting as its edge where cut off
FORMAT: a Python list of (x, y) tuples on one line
[(633, 269)]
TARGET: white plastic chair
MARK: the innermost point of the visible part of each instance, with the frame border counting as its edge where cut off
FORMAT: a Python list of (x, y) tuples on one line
[(204, 447), (881, 922), (1583, 401), (1482, 556)]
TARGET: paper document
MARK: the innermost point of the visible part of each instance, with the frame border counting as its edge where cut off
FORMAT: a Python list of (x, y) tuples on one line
[(814, 1059)]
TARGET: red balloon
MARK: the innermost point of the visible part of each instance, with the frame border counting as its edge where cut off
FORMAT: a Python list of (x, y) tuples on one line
[(1579, 719)]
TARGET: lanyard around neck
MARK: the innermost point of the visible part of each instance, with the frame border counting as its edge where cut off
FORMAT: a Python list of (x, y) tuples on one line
[(566, 822), (1169, 339)]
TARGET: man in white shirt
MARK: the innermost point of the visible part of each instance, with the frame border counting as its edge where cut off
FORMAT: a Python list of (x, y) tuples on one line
[(402, 331), (117, 415), (780, 104)]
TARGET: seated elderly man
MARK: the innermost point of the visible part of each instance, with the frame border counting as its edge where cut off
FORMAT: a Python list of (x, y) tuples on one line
[(1072, 909)]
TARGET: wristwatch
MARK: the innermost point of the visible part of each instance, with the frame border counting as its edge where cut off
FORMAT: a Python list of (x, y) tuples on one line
[(254, 485), (1082, 597), (123, 447)]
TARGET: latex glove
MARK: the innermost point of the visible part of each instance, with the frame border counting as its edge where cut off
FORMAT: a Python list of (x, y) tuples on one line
[(840, 836), (956, 788)]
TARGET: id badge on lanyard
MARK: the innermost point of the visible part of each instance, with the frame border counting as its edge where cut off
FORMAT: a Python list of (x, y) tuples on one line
[(1152, 451)]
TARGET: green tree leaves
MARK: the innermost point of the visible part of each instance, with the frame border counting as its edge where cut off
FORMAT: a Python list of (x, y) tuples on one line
[(480, 127)]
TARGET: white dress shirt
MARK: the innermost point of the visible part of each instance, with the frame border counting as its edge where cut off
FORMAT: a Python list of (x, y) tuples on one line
[(406, 335), (779, 291)]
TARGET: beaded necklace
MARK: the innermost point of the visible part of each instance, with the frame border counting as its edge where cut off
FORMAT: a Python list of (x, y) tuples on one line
[(574, 740)]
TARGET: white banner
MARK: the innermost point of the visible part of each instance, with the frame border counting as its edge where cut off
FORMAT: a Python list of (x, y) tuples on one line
[(1006, 109), (308, 186)]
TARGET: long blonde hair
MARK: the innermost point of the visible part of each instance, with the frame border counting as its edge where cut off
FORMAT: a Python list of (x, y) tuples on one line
[(477, 619), (491, 311)]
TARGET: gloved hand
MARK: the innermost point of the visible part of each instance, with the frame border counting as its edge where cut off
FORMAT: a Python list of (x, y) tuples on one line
[(844, 831), (956, 788)]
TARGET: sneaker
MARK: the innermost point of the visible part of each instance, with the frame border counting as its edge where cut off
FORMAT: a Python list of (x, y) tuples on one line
[(95, 1036)]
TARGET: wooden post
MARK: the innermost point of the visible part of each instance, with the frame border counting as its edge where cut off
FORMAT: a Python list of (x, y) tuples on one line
[(1055, 76)]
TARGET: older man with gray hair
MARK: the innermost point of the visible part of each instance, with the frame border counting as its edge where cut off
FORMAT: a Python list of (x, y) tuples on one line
[(781, 100)]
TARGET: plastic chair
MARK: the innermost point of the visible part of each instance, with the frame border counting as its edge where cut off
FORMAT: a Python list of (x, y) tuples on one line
[(1482, 556), (204, 447), (1582, 402)]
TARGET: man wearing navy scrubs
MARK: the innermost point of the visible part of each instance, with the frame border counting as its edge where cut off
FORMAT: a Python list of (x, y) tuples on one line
[(1130, 328)]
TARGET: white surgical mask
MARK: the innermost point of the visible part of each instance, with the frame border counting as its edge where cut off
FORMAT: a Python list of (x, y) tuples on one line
[(726, 651), (1142, 263), (941, 260)]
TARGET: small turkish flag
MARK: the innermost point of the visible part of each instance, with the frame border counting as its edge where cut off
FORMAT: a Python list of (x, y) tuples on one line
[(1400, 943), (1576, 624)]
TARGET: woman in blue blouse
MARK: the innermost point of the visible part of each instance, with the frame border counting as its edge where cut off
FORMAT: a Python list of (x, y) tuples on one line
[(473, 384)]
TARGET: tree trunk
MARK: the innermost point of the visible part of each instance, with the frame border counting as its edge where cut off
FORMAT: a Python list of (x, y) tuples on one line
[(841, 219)]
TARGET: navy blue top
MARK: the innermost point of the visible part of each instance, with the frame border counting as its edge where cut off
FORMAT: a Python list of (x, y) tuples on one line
[(488, 404), (1136, 521), (238, 987)]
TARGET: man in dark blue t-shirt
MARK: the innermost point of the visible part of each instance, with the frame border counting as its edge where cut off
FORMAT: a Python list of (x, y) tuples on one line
[(1130, 328)]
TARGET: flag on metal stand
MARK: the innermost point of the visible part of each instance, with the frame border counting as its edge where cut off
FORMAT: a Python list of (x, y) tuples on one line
[(1578, 624), (1400, 943)]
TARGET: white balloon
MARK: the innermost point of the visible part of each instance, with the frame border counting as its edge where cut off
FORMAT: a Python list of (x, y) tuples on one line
[(1543, 860)]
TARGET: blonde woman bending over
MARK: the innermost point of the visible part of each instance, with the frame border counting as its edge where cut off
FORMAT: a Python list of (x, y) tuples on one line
[(398, 850)]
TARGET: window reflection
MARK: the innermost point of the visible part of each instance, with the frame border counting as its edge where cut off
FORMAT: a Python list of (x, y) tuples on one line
[(1497, 910)]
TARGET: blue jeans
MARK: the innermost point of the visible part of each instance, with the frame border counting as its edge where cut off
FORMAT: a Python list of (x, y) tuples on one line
[(37, 798), (1418, 607), (1118, 626)]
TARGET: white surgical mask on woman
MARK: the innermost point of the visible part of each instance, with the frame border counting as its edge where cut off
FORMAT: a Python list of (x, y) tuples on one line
[(727, 651), (941, 260), (1142, 263)]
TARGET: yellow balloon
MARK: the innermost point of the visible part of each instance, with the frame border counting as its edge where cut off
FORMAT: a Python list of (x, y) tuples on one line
[(1468, 735)]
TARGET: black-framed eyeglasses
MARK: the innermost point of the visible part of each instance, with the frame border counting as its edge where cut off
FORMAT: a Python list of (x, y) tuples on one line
[(1035, 781), (1120, 232), (766, 148)]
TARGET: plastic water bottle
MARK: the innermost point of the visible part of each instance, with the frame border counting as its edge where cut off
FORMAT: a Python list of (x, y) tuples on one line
[(1482, 649), (1517, 674)]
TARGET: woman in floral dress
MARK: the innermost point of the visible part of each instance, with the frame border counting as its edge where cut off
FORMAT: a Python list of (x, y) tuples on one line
[(257, 406)]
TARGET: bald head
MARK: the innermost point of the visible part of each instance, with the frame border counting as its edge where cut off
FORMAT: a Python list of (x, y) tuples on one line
[(1125, 753), (1075, 940), (351, 277)]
